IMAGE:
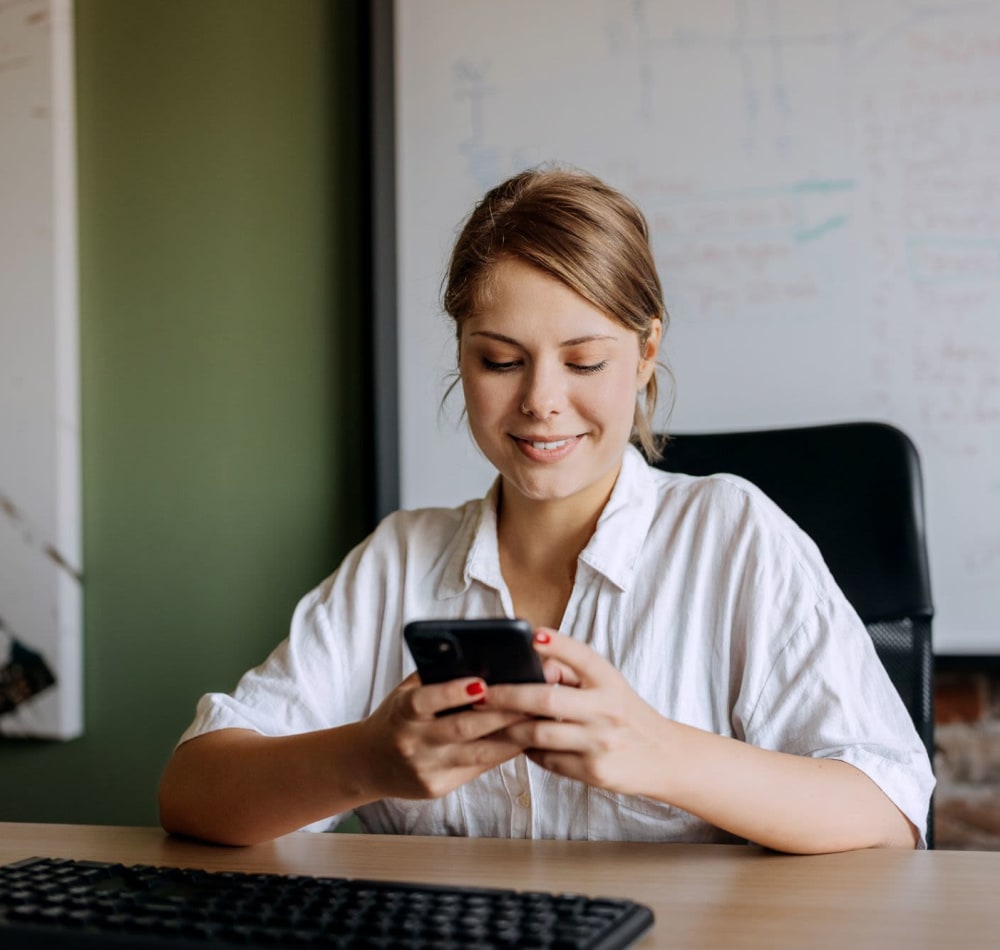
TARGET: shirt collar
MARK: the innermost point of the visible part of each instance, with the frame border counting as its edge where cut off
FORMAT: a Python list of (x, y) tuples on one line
[(476, 553), (622, 528), (612, 550)]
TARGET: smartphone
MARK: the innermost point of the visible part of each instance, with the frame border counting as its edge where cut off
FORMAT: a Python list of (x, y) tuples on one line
[(498, 650)]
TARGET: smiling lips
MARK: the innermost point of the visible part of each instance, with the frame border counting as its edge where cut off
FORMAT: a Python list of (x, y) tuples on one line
[(547, 450)]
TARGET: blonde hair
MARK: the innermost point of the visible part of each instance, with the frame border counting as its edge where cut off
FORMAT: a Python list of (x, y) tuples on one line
[(579, 230)]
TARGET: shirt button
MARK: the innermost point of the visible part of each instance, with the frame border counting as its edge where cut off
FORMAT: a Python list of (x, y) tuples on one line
[(524, 799)]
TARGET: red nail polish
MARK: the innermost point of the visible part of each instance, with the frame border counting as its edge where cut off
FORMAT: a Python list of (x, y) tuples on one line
[(542, 637), (475, 689)]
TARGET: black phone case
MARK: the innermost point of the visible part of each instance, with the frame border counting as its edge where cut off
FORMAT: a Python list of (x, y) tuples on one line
[(498, 650)]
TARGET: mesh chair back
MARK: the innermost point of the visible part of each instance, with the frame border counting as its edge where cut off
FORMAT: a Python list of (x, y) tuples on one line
[(904, 646)]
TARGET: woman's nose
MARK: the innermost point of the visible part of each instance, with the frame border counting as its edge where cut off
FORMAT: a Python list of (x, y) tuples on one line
[(544, 394)]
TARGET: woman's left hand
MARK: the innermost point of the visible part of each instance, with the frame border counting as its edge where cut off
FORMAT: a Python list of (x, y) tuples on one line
[(590, 725)]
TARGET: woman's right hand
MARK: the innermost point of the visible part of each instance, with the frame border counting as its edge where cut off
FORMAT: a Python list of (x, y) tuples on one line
[(409, 752), (236, 786)]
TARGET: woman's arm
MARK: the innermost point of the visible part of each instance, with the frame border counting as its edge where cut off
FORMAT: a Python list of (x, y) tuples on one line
[(235, 786), (604, 734), (787, 802)]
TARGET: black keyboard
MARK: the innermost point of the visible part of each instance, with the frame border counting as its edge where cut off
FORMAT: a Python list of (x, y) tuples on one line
[(57, 904)]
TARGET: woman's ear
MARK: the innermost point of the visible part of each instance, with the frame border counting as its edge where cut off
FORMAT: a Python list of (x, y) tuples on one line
[(650, 350)]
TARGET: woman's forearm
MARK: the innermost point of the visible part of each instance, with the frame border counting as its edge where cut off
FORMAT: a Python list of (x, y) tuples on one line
[(237, 787), (787, 802)]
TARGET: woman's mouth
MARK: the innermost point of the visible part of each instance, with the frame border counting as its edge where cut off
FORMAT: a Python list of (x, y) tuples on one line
[(546, 446), (549, 449)]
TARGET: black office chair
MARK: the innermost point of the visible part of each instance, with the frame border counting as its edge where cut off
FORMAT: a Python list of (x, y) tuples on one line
[(856, 489)]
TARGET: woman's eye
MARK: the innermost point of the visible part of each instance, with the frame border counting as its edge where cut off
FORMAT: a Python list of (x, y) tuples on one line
[(587, 367), (500, 367)]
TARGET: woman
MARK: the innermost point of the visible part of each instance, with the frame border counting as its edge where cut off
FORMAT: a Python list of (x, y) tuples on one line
[(715, 685)]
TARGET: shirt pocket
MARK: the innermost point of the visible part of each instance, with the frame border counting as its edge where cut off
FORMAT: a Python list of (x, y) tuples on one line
[(616, 817)]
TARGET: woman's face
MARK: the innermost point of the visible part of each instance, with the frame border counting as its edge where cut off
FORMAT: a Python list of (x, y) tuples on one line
[(550, 387)]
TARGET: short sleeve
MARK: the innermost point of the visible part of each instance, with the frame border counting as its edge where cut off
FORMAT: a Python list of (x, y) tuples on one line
[(828, 695), (292, 691)]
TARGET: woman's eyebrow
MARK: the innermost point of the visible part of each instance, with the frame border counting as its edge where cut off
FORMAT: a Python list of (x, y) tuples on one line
[(592, 338), (576, 341), (499, 337)]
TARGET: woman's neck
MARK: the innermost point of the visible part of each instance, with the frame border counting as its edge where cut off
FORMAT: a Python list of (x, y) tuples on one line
[(542, 532), (539, 545)]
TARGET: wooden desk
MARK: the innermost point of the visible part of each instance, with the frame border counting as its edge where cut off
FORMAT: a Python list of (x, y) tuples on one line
[(718, 896)]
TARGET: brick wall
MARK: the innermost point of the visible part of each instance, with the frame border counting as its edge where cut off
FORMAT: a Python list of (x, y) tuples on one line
[(967, 758)]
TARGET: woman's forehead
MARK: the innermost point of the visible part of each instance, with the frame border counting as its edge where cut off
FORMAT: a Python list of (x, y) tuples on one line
[(526, 301)]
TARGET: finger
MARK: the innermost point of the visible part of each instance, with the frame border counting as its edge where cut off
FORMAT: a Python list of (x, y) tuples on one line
[(538, 701), (472, 726), (569, 764), (488, 752), (437, 770), (428, 701), (549, 735), (466, 762), (558, 672), (456, 761), (590, 667)]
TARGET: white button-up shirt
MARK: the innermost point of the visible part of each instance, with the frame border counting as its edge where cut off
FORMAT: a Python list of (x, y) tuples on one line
[(715, 606)]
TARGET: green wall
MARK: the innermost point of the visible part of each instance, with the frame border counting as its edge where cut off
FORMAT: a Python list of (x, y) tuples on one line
[(222, 351)]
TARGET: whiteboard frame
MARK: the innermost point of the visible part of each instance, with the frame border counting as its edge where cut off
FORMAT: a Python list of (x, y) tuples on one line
[(385, 340)]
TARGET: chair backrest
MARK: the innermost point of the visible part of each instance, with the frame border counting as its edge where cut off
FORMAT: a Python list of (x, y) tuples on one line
[(856, 489)]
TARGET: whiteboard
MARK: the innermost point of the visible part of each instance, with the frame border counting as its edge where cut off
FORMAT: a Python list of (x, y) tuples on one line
[(40, 543), (822, 180)]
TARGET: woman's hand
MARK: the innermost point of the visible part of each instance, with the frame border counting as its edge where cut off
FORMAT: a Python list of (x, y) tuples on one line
[(239, 787), (410, 752), (599, 732)]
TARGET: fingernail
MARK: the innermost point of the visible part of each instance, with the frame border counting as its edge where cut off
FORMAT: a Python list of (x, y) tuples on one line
[(475, 689), (542, 637)]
